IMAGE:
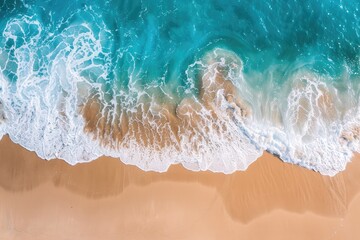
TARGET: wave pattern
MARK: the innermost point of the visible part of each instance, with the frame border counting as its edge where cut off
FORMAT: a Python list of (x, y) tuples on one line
[(205, 85)]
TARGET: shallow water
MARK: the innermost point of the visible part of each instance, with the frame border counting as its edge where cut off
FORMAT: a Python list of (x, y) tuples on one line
[(205, 84)]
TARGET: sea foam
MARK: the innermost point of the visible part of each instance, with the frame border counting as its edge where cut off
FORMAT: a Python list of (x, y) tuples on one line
[(76, 89)]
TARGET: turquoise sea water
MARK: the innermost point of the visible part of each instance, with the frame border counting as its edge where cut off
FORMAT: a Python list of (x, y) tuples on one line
[(294, 66)]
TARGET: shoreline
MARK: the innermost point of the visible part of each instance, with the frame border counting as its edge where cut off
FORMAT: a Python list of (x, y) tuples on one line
[(196, 132), (37, 195)]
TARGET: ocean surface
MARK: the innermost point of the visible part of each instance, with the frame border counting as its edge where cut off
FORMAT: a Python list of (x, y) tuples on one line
[(209, 84)]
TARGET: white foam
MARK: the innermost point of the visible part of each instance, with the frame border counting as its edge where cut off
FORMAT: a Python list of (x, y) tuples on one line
[(41, 106), (40, 110)]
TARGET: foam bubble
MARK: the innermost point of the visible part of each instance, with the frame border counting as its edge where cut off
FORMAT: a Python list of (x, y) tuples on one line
[(59, 97), (309, 135)]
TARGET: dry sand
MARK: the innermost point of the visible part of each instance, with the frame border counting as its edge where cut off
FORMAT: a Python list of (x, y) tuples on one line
[(106, 199)]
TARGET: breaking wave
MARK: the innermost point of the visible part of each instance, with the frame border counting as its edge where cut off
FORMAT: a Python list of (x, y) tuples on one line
[(129, 81)]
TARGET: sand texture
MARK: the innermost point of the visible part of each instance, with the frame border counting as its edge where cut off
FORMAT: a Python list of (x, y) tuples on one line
[(106, 199)]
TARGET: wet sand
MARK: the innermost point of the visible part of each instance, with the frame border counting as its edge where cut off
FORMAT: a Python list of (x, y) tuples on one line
[(106, 199)]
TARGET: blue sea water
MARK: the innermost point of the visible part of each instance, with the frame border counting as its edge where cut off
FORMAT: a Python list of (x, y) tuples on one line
[(294, 66)]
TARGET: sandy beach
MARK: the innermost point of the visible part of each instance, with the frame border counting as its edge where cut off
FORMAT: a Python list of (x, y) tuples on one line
[(171, 119), (106, 199)]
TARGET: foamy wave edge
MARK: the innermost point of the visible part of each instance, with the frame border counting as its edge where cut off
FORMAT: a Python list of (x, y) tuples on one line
[(312, 128)]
